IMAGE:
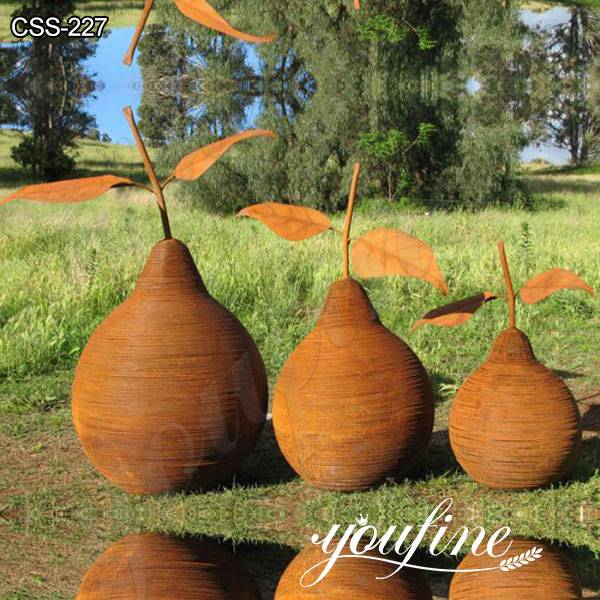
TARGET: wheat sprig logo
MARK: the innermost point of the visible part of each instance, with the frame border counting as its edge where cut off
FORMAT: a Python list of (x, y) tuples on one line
[(521, 560)]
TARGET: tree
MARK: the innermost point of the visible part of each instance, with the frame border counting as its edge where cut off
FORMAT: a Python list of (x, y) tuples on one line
[(44, 87)]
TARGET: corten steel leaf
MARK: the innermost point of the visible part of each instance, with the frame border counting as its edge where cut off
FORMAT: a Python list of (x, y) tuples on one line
[(389, 252), (201, 12), (546, 284), (294, 223), (197, 163), (170, 393), (157, 567), (553, 575), (353, 404), (513, 424), (70, 191), (455, 313), (351, 578)]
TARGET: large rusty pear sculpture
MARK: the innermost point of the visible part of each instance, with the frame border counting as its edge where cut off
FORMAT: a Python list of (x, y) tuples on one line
[(533, 570), (158, 567), (514, 424), (365, 577), (170, 392), (353, 404)]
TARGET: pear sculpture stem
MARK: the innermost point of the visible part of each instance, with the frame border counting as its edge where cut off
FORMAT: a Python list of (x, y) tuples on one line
[(512, 305), (138, 33), (349, 215), (157, 188)]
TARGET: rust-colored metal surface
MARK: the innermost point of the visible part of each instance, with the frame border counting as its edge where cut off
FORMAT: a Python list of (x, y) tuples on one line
[(350, 579), (514, 424), (552, 576), (353, 404), (156, 567), (170, 393), (294, 223)]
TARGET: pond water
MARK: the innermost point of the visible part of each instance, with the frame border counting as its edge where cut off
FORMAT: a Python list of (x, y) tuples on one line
[(502, 84)]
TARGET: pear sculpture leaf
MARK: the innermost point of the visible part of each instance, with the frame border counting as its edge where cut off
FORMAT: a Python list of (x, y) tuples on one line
[(197, 163), (455, 313), (288, 221), (202, 12), (199, 11), (546, 284), (70, 191), (385, 252)]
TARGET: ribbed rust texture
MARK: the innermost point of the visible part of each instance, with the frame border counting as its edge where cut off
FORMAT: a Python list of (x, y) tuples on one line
[(170, 392), (552, 576), (161, 568), (514, 424), (350, 579), (353, 404)]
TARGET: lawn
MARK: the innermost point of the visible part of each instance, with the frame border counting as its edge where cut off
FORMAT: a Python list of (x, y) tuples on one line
[(64, 268)]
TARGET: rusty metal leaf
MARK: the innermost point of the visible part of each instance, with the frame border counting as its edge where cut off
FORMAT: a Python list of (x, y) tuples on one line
[(291, 222), (390, 252), (455, 313), (197, 163), (70, 191), (545, 284), (202, 12)]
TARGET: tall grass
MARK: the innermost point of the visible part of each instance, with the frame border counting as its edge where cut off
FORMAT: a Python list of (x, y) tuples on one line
[(64, 268)]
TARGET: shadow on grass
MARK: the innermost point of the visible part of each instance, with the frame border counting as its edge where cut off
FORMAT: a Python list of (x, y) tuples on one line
[(266, 465), (559, 186)]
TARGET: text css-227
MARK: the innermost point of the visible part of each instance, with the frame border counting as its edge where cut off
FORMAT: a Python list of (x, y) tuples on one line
[(74, 26)]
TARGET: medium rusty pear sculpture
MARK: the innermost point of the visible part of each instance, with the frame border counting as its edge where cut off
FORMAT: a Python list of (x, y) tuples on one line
[(170, 393), (353, 404), (158, 567), (364, 577), (201, 12), (530, 570), (514, 424)]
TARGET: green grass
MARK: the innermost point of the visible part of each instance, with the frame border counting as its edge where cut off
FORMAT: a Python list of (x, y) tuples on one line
[(64, 268)]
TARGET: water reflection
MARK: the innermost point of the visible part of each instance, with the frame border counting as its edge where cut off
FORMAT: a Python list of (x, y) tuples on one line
[(440, 100), (552, 575), (154, 567), (159, 567)]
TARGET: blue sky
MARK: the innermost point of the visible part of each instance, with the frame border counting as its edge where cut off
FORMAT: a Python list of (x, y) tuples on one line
[(120, 85)]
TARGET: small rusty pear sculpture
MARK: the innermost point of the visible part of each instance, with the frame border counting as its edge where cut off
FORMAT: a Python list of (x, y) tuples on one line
[(158, 567), (170, 392), (353, 404), (514, 424)]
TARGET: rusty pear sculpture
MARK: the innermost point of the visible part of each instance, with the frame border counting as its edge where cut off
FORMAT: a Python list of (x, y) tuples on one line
[(201, 12), (514, 424), (349, 578), (534, 570), (170, 393), (353, 404), (158, 567)]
